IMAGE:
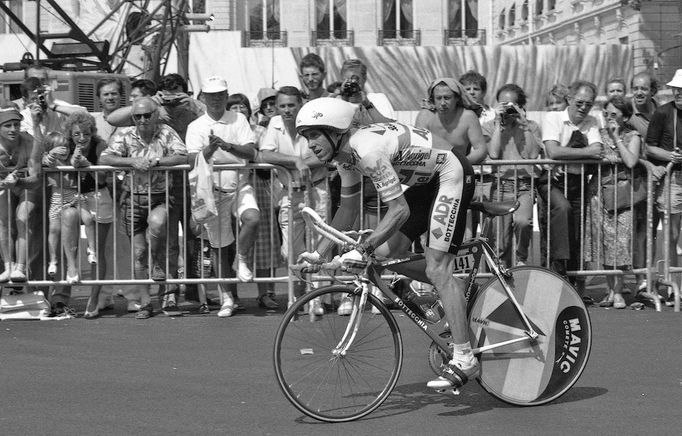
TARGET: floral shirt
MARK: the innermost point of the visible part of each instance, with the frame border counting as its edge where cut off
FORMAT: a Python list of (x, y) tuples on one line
[(127, 143)]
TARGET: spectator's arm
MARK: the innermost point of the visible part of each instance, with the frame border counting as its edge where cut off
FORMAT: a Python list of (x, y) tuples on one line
[(479, 148), (533, 144), (121, 117), (35, 169), (629, 152), (495, 143), (555, 151)]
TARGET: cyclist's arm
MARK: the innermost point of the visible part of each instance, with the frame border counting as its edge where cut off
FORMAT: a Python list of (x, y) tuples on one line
[(348, 211), (398, 212)]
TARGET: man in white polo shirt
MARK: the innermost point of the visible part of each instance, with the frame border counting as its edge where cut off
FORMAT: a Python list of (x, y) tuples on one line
[(282, 145), (225, 137), (572, 134)]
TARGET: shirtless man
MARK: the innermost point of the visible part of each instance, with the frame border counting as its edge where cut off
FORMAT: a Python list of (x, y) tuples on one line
[(454, 119)]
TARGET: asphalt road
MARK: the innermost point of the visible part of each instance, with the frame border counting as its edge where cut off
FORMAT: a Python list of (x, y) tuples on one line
[(204, 375)]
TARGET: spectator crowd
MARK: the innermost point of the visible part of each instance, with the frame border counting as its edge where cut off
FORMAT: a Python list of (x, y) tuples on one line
[(591, 215)]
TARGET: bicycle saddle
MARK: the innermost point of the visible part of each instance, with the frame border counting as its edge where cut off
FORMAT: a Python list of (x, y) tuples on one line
[(495, 208)]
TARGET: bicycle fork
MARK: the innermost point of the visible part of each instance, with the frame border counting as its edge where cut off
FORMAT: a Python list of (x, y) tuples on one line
[(353, 321)]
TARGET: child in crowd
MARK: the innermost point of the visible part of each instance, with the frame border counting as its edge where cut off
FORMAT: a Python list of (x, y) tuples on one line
[(65, 193)]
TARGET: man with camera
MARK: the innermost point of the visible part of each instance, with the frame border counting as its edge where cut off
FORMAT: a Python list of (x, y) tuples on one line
[(41, 109), (374, 107), (511, 136)]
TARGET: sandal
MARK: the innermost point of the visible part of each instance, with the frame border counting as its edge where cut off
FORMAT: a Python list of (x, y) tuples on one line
[(607, 301)]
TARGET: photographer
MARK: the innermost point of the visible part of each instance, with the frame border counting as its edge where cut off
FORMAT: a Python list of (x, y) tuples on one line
[(41, 109), (511, 136), (374, 107)]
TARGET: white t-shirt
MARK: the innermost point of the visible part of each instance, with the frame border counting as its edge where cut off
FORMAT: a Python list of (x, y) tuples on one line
[(233, 128)]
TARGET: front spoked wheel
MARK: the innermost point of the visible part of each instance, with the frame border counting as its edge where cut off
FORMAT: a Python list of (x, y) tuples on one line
[(336, 367), (530, 372)]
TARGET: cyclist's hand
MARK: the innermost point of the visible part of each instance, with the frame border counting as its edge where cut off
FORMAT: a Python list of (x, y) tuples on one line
[(352, 260), (313, 258)]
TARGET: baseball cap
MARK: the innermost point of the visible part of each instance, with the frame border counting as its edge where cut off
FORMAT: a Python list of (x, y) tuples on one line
[(214, 84), (10, 114), (264, 94)]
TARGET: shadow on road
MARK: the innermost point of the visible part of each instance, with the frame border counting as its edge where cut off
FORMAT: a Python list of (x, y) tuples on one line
[(412, 397)]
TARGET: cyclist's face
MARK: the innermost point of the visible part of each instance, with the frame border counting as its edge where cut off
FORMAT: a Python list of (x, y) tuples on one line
[(320, 145)]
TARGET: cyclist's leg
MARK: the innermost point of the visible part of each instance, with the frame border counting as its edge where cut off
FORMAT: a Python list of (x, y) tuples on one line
[(446, 230), (439, 267)]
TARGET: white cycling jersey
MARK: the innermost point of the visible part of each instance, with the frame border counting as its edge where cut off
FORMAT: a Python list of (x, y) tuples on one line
[(391, 154)]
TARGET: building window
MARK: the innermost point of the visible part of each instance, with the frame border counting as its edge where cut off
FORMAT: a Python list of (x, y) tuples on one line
[(501, 20), (398, 19), (539, 4), (331, 26), (551, 4), (7, 25), (524, 11), (467, 21), (512, 16), (264, 19)]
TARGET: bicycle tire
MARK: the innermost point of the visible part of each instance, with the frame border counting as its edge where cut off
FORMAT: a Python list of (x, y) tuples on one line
[(526, 374), (330, 387)]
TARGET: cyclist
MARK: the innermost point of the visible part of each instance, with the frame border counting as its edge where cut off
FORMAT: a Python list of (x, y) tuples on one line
[(440, 186)]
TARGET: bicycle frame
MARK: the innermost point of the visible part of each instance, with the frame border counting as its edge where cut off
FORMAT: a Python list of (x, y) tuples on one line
[(478, 248), (468, 258)]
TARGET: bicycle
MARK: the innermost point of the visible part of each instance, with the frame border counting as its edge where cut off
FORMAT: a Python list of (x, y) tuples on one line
[(529, 328)]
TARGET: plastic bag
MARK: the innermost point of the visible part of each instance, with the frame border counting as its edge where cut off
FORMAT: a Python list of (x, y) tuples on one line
[(201, 190)]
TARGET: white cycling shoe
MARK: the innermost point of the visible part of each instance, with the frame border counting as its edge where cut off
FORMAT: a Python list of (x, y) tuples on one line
[(454, 375)]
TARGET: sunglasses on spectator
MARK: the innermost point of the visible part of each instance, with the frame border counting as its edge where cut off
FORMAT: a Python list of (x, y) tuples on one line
[(581, 103), (140, 117)]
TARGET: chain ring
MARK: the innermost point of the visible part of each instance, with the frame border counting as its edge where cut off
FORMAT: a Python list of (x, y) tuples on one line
[(437, 359)]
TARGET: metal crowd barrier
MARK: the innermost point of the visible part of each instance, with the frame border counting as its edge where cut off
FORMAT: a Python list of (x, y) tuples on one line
[(120, 258)]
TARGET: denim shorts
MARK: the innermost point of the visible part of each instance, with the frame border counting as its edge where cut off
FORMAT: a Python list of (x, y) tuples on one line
[(140, 205)]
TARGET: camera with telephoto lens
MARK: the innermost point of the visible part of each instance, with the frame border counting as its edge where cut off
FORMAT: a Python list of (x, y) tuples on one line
[(349, 89)]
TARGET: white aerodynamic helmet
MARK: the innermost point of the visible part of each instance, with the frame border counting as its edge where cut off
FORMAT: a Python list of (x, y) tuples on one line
[(326, 113)]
